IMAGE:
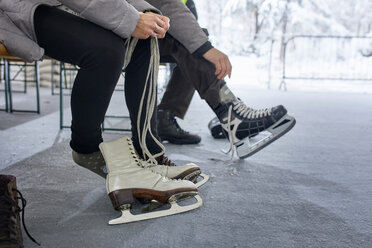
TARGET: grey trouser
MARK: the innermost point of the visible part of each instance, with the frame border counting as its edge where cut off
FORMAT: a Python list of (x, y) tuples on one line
[(192, 73)]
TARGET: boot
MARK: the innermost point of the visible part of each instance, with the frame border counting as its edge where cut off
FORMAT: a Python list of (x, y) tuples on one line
[(96, 163), (10, 225), (240, 123), (169, 130), (165, 167), (128, 179)]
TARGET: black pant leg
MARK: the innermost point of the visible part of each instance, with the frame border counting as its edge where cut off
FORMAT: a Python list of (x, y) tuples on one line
[(178, 94), (99, 53), (197, 71)]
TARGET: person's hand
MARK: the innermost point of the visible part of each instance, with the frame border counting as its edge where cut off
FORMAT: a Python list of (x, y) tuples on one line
[(151, 24), (163, 18), (221, 62)]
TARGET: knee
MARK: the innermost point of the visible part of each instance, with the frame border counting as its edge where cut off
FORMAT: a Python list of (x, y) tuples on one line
[(169, 46), (112, 52)]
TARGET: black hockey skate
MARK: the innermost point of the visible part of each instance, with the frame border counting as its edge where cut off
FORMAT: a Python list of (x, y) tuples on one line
[(249, 130)]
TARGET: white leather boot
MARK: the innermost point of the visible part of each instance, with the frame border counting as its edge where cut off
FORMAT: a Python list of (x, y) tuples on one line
[(128, 178), (189, 171)]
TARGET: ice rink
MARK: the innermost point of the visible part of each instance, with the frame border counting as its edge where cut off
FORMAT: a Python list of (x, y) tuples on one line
[(310, 188)]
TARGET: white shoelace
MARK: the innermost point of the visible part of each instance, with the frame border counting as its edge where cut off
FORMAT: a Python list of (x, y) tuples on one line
[(148, 164), (152, 75), (231, 137), (247, 112)]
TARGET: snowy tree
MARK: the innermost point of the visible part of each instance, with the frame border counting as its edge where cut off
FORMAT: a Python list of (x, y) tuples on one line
[(242, 26), (246, 6)]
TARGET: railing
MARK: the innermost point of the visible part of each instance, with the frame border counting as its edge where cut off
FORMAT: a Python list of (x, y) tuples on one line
[(327, 58)]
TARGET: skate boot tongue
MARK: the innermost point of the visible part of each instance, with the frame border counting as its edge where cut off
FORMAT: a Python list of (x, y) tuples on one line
[(226, 95)]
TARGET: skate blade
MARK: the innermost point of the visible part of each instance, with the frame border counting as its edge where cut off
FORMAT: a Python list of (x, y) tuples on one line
[(195, 178), (205, 179), (192, 176), (247, 147), (128, 217), (156, 205), (152, 206)]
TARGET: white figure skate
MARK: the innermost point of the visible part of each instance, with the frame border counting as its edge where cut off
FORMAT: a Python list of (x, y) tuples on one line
[(95, 163), (128, 179), (249, 130), (166, 168)]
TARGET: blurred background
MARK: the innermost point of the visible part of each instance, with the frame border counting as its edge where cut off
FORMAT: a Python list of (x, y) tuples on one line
[(312, 45)]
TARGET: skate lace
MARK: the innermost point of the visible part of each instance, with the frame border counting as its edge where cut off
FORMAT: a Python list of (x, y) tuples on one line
[(145, 164), (247, 112), (230, 133), (8, 217), (152, 74), (150, 164), (134, 154)]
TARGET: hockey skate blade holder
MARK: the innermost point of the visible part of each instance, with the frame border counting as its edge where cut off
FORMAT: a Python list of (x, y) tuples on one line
[(249, 146), (128, 217)]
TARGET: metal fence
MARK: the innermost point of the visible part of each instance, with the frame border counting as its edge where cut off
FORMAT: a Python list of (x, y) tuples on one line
[(13, 71), (327, 58)]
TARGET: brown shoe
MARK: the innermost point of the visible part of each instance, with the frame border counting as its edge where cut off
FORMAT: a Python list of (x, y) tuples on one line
[(10, 225)]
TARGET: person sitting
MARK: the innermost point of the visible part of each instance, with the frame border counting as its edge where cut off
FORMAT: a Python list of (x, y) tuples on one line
[(202, 67), (106, 38)]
